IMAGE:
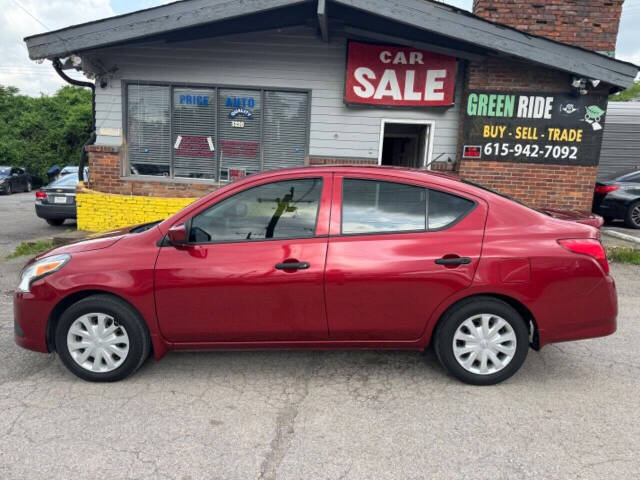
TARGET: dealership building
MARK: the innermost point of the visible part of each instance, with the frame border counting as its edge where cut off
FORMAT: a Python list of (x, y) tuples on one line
[(195, 94)]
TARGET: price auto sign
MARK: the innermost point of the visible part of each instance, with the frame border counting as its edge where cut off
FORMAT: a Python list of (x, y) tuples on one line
[(398, 76), (534, 127)]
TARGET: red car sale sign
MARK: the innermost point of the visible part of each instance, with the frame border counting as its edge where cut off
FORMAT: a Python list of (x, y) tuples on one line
[(399, 76)]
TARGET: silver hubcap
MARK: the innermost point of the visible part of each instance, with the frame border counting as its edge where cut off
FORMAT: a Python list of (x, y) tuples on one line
[(97, 342), (635, 215), (484, 344)]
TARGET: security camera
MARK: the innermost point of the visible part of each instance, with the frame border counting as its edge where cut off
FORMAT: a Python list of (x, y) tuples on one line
[(578, 82)]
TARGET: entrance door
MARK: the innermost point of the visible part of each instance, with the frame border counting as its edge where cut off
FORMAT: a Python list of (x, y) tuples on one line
[(405, 144), (253, 269)]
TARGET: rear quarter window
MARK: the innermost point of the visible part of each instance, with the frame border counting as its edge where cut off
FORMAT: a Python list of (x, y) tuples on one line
[(446, 209)]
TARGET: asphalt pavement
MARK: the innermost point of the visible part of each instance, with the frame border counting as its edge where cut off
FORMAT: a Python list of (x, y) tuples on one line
[(570, 413), (18, 222)]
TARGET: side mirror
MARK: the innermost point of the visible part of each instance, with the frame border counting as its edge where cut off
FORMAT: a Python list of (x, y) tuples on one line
[(178, 235)]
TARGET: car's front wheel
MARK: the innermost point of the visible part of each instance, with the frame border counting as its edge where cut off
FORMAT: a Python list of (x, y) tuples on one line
[(102, 339), (632, 218), (482, 341)]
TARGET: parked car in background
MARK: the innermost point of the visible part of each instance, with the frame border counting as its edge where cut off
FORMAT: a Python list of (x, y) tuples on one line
[(15, 179), (73, 169), (324, 258), (619, 199), (57, 201)]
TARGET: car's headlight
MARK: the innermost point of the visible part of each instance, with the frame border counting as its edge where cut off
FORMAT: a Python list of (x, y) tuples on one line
[(41, 268)]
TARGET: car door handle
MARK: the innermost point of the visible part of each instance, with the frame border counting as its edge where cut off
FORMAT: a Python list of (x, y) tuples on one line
[(453, 261), (293, 265)]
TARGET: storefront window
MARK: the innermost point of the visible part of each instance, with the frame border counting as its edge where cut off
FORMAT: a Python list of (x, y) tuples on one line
[(240, 122), (286, 115), (194, 133), (148, 130), (214, 133)]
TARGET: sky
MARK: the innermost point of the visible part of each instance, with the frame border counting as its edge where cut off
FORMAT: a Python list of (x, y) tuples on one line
[(21, 18)]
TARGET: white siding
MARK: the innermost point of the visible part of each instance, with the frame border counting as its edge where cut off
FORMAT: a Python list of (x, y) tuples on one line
[(287, 58)]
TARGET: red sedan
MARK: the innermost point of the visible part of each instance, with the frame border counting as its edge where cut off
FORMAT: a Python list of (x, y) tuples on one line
[(324, 258)]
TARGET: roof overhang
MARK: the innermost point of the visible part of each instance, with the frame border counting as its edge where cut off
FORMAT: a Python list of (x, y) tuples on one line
[(419, 21)]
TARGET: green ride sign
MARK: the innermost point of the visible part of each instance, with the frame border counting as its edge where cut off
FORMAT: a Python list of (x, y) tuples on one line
[(533, 127)]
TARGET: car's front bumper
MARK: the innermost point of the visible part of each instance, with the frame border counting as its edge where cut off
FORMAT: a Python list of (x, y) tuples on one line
[(30, 317), (55, 211)]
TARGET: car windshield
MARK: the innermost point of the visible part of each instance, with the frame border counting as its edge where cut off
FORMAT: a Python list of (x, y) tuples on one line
[(4, 171), (66, 181)]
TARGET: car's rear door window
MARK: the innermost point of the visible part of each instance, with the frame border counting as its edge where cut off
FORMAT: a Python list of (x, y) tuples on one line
[(278, 210), (371, 206)]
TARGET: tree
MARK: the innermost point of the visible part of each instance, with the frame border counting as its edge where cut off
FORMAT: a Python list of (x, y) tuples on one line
[(627, 95), (37, 133)]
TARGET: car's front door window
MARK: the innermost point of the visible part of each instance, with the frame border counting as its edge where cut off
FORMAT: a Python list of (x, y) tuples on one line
[(278, 210)]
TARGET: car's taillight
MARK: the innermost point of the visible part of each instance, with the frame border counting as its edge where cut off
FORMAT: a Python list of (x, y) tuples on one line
[(604, 189), (587, 246), (40, 195)]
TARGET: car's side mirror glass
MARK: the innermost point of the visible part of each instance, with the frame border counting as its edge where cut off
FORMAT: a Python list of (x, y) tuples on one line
[(178, 235)]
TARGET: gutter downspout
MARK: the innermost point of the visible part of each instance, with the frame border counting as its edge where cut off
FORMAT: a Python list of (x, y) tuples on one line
[(92, 138)]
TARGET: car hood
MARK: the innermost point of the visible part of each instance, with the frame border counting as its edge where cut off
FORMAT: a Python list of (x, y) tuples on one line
[(585, 218), (93, 242)]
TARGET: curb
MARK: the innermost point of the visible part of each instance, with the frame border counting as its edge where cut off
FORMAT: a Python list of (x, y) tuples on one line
[(621, 236)]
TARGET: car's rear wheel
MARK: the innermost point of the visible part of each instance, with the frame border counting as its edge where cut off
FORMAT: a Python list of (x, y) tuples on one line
[(55, 222), (102, 339), (482, 341), (632, 218)]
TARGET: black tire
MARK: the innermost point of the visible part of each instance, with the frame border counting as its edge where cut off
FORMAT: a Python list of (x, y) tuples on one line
[(454, 317), (8, 190), (55, 222), (632, 218), (126, 317), (29, 186)]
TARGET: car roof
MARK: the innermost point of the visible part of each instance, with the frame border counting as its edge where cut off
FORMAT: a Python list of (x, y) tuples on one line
[(363, 169)]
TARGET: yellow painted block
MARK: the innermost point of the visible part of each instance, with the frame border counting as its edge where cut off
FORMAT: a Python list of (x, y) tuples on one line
[(100, 212)]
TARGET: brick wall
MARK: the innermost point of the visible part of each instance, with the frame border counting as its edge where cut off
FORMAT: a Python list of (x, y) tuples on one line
[(537, 185), (590, 24), (104, 176), (551, 186), (100, 212)]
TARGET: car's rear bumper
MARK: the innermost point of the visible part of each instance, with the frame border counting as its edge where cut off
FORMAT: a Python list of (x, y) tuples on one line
[(53, 211), (611, 209), (579, 319)]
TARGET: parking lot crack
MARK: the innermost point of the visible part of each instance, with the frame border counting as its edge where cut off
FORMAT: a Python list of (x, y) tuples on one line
[(285, 427)]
